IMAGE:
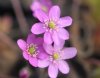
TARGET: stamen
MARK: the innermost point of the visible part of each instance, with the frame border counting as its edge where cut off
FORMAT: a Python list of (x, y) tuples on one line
[(51, 25), (55, 56), (32, 49)]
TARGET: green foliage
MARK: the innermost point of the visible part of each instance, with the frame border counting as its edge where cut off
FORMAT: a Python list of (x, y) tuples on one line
[(95, 6), (96, 73)]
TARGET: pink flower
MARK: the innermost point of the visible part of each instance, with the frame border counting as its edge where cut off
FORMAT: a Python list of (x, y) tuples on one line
[(43, 5), (56, 60), (32, 49), (52, 25), (24, 73)]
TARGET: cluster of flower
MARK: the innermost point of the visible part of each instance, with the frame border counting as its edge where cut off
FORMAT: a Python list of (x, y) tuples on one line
[(48, 51)]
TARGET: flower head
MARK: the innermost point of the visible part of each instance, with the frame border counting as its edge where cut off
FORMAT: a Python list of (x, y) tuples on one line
[(32, 49), (56, 60), (52, 25)]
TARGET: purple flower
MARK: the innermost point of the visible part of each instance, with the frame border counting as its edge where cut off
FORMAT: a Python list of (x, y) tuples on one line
[(55, 61), (32, 49), (52, 25), (24, 73), (43, 5)]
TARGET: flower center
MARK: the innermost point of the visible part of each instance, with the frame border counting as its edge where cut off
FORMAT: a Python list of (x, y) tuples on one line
[(51, 25), (32, 49), (55, 56)]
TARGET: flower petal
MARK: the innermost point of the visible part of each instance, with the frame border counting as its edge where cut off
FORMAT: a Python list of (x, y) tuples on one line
[(55, 38), (42, 54), (37, 28), (53, 71), (35, 6), (41, 15), (60, 46), (31, 38), (25, 55), (68, 53), (33, 61), (39, 41), (65, 21), (54, 13), (63, 67), (48, 48), (63, 34), (47, 38), (47, 3), (43, 63), (22, 44)]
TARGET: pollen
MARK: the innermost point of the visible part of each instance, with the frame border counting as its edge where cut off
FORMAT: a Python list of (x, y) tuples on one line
[(32, 50), (51, 25), (55, 56)]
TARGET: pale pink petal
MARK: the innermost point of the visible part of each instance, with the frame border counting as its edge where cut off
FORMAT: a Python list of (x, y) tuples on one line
[(47, 38), (33, 61), (68, 53), (60, 46), (53, 71), (54, 13), (43, 63), (22, 44), (42, 54), (63, 34), (37, 28), (41, 15), (34, 15), (25, 55), (48, 48), (47, 3), (35, 6), (65, 21), (55, 38), (63, 67), (31, 38)]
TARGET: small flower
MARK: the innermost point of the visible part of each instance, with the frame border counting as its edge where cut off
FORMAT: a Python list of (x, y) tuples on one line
[(56, 60), (52, 25), (43, 5), (32, 49), (24, 73)]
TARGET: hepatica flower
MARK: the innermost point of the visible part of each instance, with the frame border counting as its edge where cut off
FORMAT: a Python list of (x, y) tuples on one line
[(56, 60), (52, 25), (32, 49), (24, 73), (40, 52)]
